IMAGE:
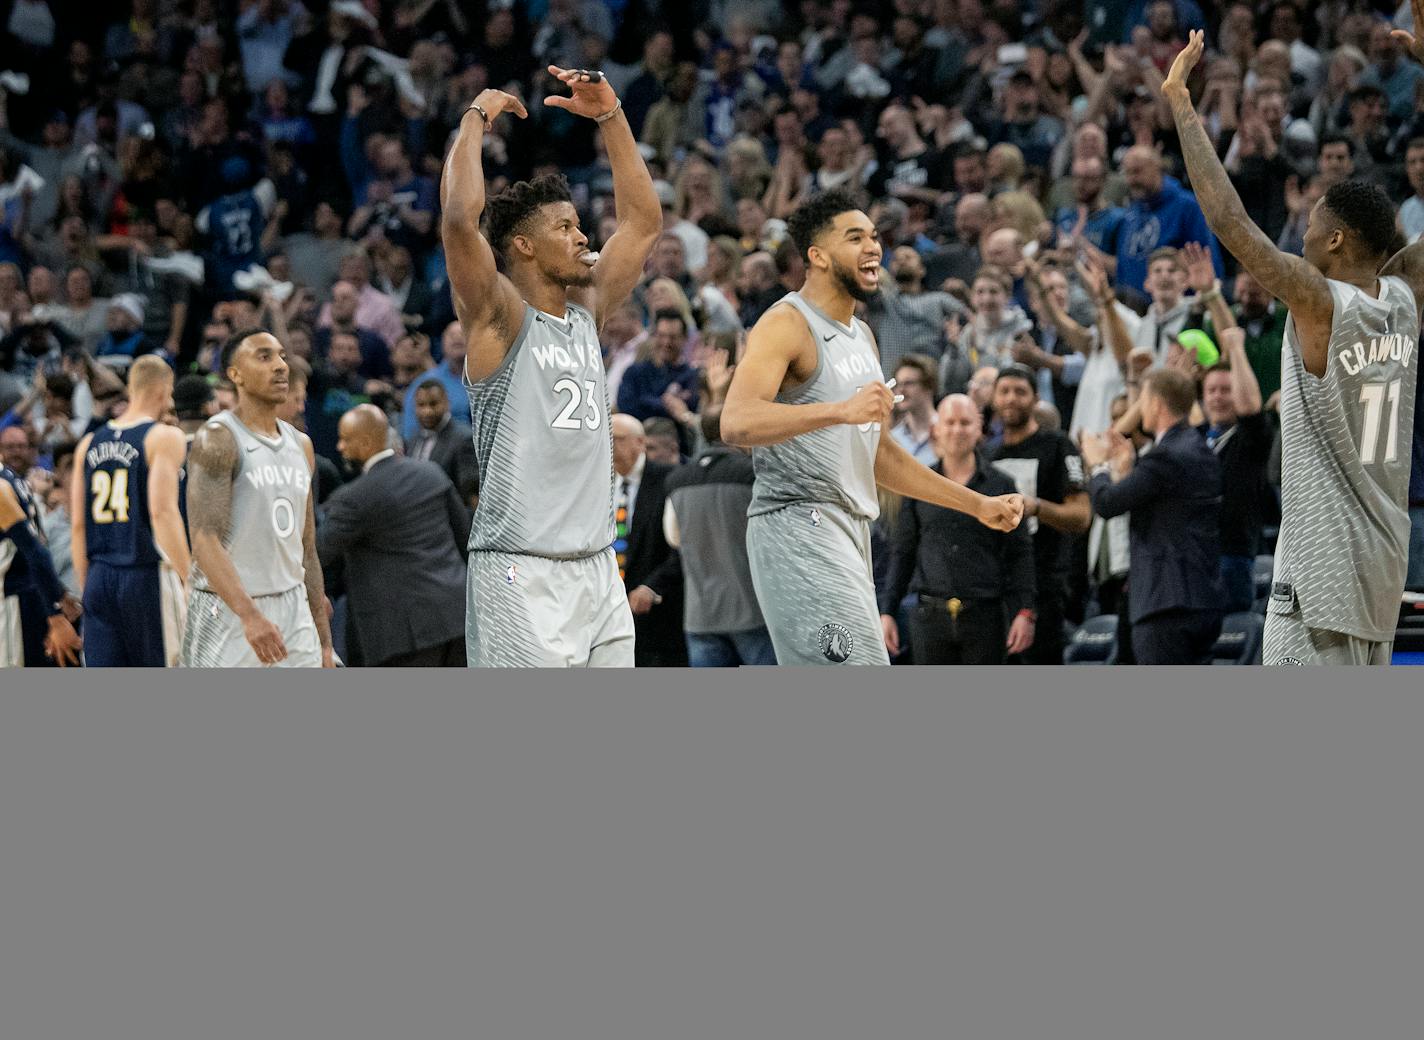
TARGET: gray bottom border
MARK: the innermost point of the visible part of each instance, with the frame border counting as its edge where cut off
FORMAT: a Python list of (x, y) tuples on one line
[(977, 853)]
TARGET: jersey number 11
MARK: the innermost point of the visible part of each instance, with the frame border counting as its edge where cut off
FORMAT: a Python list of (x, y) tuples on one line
[(1372, 396)]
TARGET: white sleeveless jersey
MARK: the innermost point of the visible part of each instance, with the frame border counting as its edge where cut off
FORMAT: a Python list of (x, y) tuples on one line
[(544, 443), (835, 464), (1345, 448), (269, 509)]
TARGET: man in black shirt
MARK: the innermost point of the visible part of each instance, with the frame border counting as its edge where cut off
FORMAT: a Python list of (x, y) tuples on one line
[(1048, 472), (1240, 434), (970, 581)]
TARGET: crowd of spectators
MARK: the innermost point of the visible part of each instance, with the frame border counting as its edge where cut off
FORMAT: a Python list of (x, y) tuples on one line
[(172, 170)]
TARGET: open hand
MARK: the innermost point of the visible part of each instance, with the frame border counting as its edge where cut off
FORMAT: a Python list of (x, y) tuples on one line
[(1413, 44), (62, 643), (1201, 274), (496, 102), (592, 96), (1183, 63)]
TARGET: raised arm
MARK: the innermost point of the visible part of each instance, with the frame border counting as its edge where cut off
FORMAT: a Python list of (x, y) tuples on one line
[(1290, 279), (1245, 388), (486, 302), (1408, 263), (211, 470), (752, 417), (635, 203), (165, 447), (311, 566)]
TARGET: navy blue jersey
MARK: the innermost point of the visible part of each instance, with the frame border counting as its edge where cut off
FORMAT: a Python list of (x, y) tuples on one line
[(13, 566), (118, 529)]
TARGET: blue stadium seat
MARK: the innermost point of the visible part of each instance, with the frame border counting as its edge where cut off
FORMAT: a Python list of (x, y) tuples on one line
[(1095, 642), (1265, 565), (1240, 640)]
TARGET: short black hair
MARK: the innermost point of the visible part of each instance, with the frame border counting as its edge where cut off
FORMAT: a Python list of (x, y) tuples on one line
[(1365, 209), (509, 211), (1364, 92), (432, 384), (233, 342), (817, 214), (1333, 138), (1021, 372), (667, 314)]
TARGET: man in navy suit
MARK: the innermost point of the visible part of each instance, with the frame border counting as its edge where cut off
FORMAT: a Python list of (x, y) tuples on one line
[(1173, 493)]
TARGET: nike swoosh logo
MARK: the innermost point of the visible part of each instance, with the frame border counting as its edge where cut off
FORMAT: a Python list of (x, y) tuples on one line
[(253, 447), (829, 338)]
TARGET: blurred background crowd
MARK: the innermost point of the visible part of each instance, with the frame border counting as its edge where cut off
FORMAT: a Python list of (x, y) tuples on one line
[(172, 170)]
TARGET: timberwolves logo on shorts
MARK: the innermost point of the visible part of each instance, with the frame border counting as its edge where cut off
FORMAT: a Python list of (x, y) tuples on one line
[(836, 642)]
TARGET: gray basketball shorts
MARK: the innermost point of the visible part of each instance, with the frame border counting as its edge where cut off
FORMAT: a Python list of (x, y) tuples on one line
[(1289, 640), (536, 612), (214, 637), (811, 570)]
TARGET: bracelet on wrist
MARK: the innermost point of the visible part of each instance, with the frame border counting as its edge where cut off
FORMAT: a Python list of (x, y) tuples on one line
[(617, 104), (484, 116)]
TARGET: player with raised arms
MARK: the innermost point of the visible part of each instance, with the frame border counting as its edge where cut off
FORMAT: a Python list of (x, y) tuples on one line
[(1349, 365), (543, 588)]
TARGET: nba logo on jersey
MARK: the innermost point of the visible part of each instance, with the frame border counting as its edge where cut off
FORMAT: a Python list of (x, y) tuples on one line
[(511, 574), (815, 518), (836, 642)]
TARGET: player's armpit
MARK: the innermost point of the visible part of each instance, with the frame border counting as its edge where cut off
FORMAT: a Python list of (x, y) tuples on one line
[(778, 349)]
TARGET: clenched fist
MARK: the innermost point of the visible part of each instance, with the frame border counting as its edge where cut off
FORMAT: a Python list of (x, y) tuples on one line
[(1002, 513), (871, 404)]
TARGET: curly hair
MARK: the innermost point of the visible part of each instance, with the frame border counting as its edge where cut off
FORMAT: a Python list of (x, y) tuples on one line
[(1366, 210), (816, 214), (508, 212)]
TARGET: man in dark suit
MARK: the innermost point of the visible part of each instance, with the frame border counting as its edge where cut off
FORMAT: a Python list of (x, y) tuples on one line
[(651, 569), (445, 442), (400, 532), (1173, 493)]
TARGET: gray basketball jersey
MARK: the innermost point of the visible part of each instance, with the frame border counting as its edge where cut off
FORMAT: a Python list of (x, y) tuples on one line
[(269, 509), (1345, 446), (544, 444), (835, 464)]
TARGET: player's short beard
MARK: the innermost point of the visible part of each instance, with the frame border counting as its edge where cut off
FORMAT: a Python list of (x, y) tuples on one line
[(851, 283)]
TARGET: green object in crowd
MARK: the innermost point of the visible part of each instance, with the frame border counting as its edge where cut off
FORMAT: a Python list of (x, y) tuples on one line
[(1197, 340)]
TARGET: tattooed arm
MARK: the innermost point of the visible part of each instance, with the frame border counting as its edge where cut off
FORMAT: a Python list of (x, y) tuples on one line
[(311, 564), (212, 466), (1290, 279)]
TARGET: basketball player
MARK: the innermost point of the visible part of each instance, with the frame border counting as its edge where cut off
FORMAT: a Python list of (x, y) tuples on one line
[(1348, 367), (35, 631), (257, 594), (128, 542), (543, 585), (808, 400)]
